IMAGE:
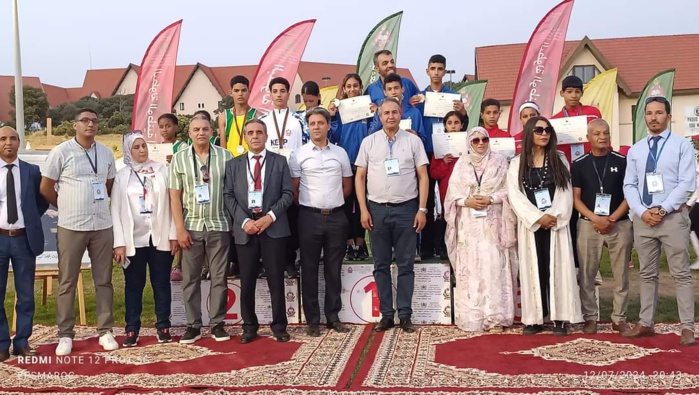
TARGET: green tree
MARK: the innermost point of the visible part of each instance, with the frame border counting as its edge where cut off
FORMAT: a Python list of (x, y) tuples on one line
[(36, 106)]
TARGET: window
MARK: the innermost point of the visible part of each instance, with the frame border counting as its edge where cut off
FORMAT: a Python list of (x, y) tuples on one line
[(585, 73), (181, 106), (298, 99)]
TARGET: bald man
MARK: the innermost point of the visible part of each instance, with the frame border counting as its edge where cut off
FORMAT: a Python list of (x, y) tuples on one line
[(21, 239)]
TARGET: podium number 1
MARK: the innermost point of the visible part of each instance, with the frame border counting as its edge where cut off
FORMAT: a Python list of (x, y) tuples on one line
[(371, 288)]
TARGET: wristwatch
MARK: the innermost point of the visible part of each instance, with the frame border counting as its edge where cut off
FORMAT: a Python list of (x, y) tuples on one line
[(492, 200), (422, 210), (662, 211)]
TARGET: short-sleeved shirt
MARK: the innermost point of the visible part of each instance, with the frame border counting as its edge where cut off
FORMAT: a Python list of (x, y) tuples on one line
[(373, 153), (611, 169), (72, 167), (183, 177), (293, 135), (321, 171)]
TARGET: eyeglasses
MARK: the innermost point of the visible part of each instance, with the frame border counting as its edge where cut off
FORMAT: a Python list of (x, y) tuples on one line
[(87, 121), (659, 99), (205, 174), (540, 130), (478, 140)]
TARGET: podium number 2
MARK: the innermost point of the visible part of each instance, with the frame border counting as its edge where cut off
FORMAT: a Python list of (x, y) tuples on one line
[(371, 288), (231, 303)]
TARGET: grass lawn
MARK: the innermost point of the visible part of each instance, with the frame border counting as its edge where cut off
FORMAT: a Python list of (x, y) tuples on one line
[(39, 141), (46, 314)]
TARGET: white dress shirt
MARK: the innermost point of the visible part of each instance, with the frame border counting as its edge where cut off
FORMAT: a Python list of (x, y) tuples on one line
[(3, 196), (250, 171), (320, 171), (143, 225)]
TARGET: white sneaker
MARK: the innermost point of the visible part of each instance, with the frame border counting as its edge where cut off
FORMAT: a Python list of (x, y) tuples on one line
[(695, 265), (108, 343), (65, 346)]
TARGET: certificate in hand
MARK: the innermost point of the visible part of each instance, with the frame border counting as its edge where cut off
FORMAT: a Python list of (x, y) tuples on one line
[(504, 146), (570, 130), (405, 124), (455, 143), (160, 152), (438, 104), (355, 109)]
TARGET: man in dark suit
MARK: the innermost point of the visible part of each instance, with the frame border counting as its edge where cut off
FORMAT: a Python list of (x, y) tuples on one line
[(257, 194), (21, 239)]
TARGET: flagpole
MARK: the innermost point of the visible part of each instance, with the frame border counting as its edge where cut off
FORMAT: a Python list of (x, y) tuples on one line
[(19, 91)]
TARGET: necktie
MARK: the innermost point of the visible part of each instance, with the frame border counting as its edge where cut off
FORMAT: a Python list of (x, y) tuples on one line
[(12, 216), (257, 178), (650, 167)]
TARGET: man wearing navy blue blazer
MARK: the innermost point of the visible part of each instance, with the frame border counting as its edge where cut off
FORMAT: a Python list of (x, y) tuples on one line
[(21, 239)]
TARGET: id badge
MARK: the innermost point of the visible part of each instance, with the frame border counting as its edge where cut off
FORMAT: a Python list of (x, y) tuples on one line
[(201, 193), (602, 204), (392, 167), (437, 128), (576, 151), (654, 182), (543, 199), (142, 205), (98, 191), (479, 213), (254, 199)]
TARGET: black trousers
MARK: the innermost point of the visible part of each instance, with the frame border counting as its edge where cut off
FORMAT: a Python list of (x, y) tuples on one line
[(329, 233), (293, 242), (694, 218), (354, 216), (542, 240), (272, 251), (428, 234)]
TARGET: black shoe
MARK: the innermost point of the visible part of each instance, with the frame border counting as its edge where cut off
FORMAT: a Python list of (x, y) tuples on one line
[(559, 329), (164, 335), (4, 355), (247, 337), (429, 254), (262, 273), (131, 339), (338, 326), (233, 270), (362, 253), (191, 335), (291, 271), (350, 254), (25, 351), (532, 329), (219, 333), (281, 336), (384, 325), (313, 330), (407, 325)]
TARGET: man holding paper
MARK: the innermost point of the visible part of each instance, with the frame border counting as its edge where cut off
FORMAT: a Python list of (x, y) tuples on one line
[(411, 119), (385, 65)]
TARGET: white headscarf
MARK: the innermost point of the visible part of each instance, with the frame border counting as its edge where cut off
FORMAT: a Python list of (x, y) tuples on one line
[(144, 168), (472, 155)]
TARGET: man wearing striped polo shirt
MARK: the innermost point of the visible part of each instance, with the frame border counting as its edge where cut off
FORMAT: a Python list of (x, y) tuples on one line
[(203, 228)]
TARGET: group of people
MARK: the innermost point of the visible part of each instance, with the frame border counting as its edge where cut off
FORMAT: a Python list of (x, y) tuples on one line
[(283, 181)]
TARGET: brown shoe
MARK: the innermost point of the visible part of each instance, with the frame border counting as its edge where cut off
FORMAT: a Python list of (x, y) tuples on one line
[(25, 351), (622, 327), (590, 327), (639, 331), (4, 355), (687, 338)]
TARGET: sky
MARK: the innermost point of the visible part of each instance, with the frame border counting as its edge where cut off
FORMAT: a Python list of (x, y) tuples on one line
[(60, 40)]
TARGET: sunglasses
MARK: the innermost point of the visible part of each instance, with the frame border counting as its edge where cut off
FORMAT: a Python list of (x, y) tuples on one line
[(205, 174), (659, 99), (478, 140), (540, 130)]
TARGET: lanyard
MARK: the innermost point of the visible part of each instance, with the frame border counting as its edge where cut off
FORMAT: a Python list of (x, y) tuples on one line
[(194, 163), (280, 135), (475, 173), (390, 146), (604, 173), (142, 182), (565, 111), (262, 165), (237, 128), (656, 158), (92, 164)]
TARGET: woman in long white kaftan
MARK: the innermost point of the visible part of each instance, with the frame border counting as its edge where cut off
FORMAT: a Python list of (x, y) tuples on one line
[(480, 238), (540, 192)]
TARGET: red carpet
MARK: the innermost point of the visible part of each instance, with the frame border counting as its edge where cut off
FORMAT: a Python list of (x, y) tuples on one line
[(444, 358), (304, 362)]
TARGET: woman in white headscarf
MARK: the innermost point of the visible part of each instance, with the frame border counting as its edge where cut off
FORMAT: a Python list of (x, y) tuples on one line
[(144, 235), (480, 238)]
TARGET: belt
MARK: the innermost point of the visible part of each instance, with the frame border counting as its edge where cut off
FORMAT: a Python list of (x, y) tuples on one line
[(322, 211), (12, 232), (388, 204)]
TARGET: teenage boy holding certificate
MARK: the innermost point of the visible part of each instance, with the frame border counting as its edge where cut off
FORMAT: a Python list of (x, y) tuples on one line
[(411, 119)]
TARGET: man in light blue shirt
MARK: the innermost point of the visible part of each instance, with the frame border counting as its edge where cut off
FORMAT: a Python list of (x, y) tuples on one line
[(660, 176)]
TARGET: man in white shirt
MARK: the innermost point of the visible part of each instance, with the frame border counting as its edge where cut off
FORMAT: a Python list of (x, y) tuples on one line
[(322, 177)]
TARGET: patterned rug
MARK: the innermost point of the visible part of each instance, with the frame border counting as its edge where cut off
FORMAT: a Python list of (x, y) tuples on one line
[(324, 362), (444, 358)]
